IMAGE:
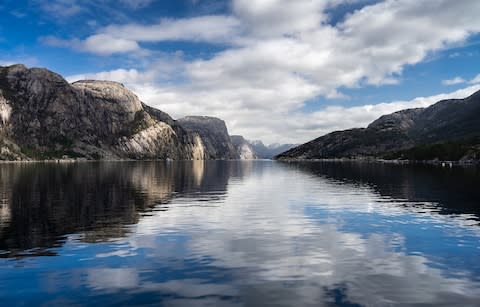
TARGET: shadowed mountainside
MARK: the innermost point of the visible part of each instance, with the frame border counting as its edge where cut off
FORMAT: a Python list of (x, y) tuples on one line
[(447, 130)]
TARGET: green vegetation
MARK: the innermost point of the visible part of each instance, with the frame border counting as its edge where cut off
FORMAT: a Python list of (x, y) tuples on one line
[(447, 151), (139, 123), (49, 154), (65, 150)]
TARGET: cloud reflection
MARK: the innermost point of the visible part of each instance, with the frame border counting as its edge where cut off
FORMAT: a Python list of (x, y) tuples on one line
[(256, 233), (261, 232)]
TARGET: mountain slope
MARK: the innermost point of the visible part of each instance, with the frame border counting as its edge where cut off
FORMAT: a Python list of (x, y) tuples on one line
[(449, 123), (44, 117)]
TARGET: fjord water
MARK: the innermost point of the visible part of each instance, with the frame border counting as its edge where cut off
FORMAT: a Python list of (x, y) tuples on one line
[(251, 233)]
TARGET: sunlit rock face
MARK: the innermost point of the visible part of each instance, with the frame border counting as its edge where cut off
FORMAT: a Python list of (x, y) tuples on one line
[(243, 147), (5, 111), (7, 147), (42, 116), (214, 134)]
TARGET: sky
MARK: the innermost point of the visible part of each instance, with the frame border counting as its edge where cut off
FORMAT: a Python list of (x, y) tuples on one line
[(282, 71)]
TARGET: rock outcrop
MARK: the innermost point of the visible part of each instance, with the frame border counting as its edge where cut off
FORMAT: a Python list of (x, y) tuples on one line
[(447, 130), (243, 148), (42, 116), (214, 134)]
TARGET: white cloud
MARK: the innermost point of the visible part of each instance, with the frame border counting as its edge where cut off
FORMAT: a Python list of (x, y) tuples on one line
[(454, 81), (164, 68), (105, 44), (30, 61), (282, 53), (101, 44), (203, 28), (273, 18), (475, 80), (126, 38), (118, 75), (460, 80), (6, 63)]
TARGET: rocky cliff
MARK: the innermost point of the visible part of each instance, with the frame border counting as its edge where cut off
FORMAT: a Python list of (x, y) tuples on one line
[(447, 130), (214, 134), (45, 117), (244, 149)]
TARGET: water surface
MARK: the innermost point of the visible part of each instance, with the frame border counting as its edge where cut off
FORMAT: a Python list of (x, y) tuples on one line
[(251, 233)]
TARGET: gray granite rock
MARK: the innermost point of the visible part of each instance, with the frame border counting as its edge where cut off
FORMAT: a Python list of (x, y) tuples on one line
[(244, 149), (214, 135), (42, 116)]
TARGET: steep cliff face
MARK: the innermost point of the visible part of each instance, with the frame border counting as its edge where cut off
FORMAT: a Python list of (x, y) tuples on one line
[(449, 129), (214, 135), (43, 116), (243, 148)]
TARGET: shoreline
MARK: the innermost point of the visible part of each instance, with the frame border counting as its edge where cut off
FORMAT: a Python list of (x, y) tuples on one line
[(72, 161), (443, 163)]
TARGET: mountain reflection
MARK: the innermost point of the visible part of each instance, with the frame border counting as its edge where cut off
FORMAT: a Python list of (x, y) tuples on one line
[(41, 203), (453, 190), (285, 238), (238, 234)]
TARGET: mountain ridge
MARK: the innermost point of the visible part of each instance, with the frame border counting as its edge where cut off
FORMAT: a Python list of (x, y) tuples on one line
[(44, 117), (433, 133)]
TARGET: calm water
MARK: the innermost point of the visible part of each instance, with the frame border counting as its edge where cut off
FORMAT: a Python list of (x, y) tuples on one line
[(239, 233)]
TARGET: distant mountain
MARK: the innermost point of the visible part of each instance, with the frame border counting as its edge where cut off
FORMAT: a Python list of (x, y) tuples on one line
[(214, 134), (256, 149), (270, 151), (42, 116), (447, 130)]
